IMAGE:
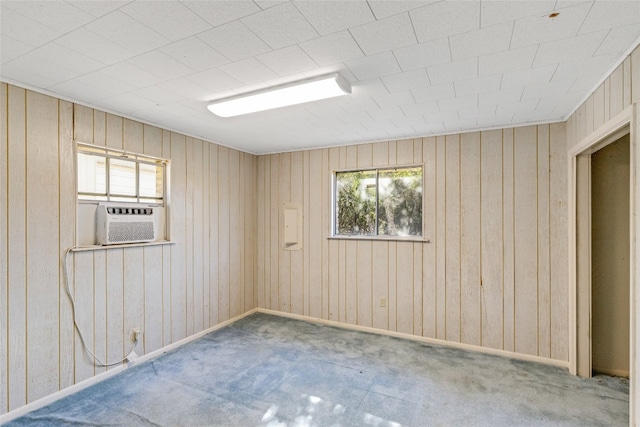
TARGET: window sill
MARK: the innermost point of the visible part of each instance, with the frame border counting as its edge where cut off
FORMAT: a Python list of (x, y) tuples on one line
[(124, 245), (382, 238)]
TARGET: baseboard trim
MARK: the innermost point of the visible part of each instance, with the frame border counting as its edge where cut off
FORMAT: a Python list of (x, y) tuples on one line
[(18, 412), (462, 346)]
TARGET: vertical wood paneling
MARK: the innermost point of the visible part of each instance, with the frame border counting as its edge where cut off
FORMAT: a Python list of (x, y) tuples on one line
[(491, 231), (284, 188), (404, 287), (267, 231), (260, 250), (526, 240), (42, 262), (333, 260), (116, 289), (67, 237), (544, 273), (452, 236), (364, 251), (429, 310), (189, 233), (616, 92), (178, 253), (235, 236), (214, 227), (4, 242), (275, 232), (508, 254), (224, 234), (417, 258), (316, 176), (558, 248), (441, 241), (470, 262), (324, 228), (16, 248)]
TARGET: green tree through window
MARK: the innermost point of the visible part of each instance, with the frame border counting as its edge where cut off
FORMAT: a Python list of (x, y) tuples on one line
[(383, 202)]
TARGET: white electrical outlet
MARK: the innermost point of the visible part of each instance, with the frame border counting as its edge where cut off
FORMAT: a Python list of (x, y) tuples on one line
[(383, 302), (136, 334)]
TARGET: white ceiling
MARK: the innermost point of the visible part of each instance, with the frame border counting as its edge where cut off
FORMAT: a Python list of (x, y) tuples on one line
[(417, 68)]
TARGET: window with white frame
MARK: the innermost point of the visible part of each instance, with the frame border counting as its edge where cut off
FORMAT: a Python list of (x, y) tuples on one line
[(378, 202), (105, 174)]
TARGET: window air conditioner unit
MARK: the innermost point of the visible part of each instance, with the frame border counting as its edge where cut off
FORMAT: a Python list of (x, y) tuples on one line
[(125, 224)]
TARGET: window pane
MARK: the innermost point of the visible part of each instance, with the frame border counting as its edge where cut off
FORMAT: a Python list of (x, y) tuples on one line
[(356, 202), (122, 177), (91, 174), (400, 202), (151, 181)]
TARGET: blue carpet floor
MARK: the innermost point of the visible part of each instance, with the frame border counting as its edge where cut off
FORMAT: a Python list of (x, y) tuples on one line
[(271, 371)]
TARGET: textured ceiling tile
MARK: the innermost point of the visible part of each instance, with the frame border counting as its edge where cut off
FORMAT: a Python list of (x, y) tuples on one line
[(195, 54), (618, 40), (527, 77), (58, 15), (234, 41), (161, 65), (221, 12), (184, 87), (477, 85), (554, 88), (611, 14), (424, 108), (406, 81), (452, 71), (397, 99), (66, 58), (452, 104), (555, 52), (387, 113), (445, 19), (131, 74), (73, 89), (24, 29), (384, 8), (287, 61), (214, 80), (481, 42), (125, 103), (579, 67), (495, 12), (267, 4), (510, 60), (328, 17), (423, 54), (248, 71), (12, 48), (388, 34), (12, 72), (171, 19), (110, 85), (540, 28), (503, 96), (94, 46), (332, 49), (280, 26), (353, 104), (157, 95), (98, 8), (40, 67), (431, 93), (127, 32), (382, 64)]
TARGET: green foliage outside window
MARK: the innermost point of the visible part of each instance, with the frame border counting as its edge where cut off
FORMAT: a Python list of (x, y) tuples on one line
[(384, 202)]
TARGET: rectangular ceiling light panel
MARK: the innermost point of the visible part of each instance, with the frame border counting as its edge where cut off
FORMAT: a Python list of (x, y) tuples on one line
[(281, 96)]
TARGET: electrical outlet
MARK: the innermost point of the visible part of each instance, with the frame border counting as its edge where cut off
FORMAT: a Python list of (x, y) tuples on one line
[(383, 302), (136, 334)]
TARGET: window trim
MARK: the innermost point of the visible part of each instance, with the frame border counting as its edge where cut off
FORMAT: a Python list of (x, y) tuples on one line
[(115, 153), (371, 237)]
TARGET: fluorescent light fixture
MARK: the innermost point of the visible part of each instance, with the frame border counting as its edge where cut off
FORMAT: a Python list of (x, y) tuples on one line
[(281, 96)]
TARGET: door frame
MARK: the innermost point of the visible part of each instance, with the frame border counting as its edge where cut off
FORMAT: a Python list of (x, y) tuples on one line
[(579, 250)]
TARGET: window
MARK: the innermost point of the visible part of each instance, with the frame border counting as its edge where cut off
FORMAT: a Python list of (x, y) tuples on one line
[(111, 175), (378, 202)]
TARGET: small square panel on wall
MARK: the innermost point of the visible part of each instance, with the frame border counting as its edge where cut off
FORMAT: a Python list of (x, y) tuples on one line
[(292, 226)]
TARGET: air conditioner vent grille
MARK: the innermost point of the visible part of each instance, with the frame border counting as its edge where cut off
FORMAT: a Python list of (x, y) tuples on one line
[(120, 232)]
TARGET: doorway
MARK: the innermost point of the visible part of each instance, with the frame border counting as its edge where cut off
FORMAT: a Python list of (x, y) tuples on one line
[(610, 250)]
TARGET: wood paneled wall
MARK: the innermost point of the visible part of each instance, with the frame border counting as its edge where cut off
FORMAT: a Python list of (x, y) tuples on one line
[(172, 291), (617, 92), (494, 273)]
